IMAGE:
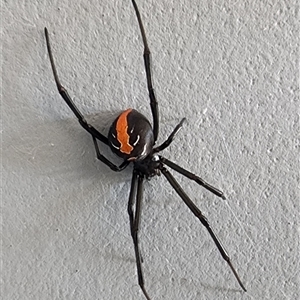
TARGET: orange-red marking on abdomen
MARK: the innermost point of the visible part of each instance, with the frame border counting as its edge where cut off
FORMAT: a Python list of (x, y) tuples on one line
[(122, 135)]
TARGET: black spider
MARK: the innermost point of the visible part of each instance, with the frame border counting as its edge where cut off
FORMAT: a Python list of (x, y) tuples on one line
[(132, 138)]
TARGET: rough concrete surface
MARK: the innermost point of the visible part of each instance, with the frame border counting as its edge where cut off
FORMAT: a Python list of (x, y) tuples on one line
[(231, 68)]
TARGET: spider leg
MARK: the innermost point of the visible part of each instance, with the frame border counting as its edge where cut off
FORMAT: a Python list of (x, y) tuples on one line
[(202, 219), (106, 161), (170, 139), (192, 176), (134, 218), (89, 128), (147, 62), (63, 92)]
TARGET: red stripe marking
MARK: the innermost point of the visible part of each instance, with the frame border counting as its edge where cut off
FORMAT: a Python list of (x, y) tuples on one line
[(122, 135)]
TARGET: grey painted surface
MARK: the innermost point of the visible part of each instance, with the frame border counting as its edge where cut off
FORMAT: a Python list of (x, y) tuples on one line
[(232, 69)]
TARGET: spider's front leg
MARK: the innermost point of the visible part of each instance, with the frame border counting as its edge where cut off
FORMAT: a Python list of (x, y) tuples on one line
[(196, 211), (134, 218), (193, 177)]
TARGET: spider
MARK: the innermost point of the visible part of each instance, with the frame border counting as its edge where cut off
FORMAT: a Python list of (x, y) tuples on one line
[(132, 138)]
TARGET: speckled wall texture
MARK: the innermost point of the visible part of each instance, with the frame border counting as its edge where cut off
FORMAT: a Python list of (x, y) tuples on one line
[(231, 68)]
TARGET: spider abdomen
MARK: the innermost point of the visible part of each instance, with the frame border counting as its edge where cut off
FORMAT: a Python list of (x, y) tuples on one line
[(131, 135)]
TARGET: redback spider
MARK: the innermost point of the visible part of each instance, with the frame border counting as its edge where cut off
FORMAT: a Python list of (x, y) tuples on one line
[(132, 138)]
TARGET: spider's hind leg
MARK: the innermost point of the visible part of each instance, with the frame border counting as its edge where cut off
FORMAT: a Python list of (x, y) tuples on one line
[(89, 128), (65, 95), (147, 62), (170, 139)]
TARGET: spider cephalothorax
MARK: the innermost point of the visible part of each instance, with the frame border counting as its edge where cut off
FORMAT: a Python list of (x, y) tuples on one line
[(132, 138), (150, 166)]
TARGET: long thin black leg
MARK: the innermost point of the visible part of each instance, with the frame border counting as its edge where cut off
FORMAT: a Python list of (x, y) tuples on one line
[(169, 140), (134, 218), (192, 177), (63, 92), (106, 161), (147, 62), (202, 219), (93, 131)]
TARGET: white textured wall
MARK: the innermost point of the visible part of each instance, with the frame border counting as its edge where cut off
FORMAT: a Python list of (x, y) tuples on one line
[(231, 68)]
